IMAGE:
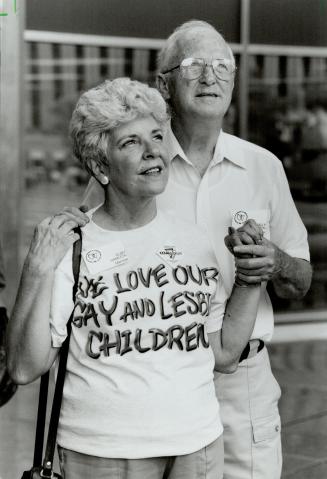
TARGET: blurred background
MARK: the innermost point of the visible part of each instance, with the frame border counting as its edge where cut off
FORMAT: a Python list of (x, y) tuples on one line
[(52, 51), (280, 98)]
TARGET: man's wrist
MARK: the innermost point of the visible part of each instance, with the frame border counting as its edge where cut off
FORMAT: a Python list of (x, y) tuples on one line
[(281, 264)]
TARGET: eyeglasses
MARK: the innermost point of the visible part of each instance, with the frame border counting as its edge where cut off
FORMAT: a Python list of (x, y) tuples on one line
[(193, 68)]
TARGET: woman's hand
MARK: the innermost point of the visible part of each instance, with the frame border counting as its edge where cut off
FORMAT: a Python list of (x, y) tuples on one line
[(249, 233), (238, 242), (52, 239)]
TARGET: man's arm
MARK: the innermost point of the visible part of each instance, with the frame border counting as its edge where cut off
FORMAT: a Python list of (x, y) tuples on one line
[(290, 276), (294, 278), (258, 259)]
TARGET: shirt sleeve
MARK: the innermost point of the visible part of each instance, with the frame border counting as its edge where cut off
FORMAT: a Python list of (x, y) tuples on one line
[(214, 321), (286, 227), (61, 301)]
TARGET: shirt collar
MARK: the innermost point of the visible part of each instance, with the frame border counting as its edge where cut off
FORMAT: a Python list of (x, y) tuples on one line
[(225, 149), (173, 147), (228, 148)]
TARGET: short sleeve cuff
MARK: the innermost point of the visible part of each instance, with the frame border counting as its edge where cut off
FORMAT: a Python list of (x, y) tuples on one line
[(299, 253), (57, 337)]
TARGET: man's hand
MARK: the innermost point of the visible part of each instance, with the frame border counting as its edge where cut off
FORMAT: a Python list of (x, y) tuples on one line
[(258, 259), (248, 272), (258, 262), (249, 233)]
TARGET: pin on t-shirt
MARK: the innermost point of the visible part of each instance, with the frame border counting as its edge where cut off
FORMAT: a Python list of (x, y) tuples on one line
[(105, 257), (170, 253)]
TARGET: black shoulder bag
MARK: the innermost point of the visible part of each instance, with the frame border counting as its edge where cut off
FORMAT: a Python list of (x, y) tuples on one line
[(45, 470)]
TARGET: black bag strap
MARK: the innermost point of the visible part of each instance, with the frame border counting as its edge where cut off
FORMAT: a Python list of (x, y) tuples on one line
[(57, 398), (40, 422)]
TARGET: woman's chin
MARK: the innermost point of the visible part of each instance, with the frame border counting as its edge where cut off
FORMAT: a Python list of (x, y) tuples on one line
[(152, 192), (154, 188)]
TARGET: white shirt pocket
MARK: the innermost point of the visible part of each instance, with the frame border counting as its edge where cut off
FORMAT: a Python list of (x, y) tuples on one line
[(262, 217)]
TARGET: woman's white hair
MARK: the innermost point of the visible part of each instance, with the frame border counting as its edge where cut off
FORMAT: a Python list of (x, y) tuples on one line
[(169, 52), (103, 108)]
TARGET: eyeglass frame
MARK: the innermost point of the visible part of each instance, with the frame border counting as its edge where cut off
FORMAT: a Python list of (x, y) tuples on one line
[(205, 64)]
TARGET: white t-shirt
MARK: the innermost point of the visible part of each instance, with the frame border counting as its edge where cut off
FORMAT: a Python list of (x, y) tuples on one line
[(139, 377), (242, 181)]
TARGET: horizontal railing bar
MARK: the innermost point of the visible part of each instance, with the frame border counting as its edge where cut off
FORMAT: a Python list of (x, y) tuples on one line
[(315, 331), (287, 50), (100, 40), (155, 43), (255, 82), (301, 317), (73, 61), (91, 40)]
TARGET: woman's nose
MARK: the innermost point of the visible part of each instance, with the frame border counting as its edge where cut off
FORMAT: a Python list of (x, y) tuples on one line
[(151, 151)]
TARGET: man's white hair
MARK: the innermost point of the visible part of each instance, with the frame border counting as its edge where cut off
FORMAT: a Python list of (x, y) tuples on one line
[(103, 108), (170, 49)]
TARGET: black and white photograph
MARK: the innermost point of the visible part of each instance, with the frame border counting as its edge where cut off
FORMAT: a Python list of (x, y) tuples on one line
[(163, 239)]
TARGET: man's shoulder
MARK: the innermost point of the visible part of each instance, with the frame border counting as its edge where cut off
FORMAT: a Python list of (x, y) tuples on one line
[(252, 153)]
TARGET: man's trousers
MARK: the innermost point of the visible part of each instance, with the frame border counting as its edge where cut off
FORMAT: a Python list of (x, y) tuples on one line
[(248, 400)]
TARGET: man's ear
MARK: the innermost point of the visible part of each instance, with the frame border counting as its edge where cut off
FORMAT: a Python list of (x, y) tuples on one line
[(98, 172), (162, 85)]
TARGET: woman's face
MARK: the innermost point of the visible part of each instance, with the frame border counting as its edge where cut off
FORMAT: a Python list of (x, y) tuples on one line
[(138, 161)]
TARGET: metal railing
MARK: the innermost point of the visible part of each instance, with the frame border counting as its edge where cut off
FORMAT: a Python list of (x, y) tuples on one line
[(61, 65)]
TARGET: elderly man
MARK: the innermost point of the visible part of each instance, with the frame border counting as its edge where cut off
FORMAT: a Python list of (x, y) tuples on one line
[(220, 181)]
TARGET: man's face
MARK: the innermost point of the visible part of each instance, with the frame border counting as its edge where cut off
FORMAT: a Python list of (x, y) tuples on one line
[(206, 96)]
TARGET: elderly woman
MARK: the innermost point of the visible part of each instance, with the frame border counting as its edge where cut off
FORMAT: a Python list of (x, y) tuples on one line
[(148, 330)]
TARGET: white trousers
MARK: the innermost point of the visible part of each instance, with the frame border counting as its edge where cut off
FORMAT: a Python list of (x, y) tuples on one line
[(249, 409)]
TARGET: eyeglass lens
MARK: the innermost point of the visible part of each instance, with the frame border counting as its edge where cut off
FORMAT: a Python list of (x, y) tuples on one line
[(194, 68)]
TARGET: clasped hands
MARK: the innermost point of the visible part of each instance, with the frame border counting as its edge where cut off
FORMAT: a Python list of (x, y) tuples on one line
[(256, 258)]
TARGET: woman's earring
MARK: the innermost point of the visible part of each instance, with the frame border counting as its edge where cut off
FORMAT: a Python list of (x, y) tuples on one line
[(105, 180)]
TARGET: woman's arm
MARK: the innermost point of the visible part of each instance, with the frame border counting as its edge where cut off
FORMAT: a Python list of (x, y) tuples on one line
[(240, 315), (242, 306), (30, 352), (28, 338)]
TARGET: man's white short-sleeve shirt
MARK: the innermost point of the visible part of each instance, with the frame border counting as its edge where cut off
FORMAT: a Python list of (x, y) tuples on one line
[(242, 181)]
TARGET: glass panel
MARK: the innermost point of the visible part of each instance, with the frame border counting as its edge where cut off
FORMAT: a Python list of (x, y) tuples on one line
[(288, 115), (55, 76)]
